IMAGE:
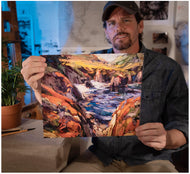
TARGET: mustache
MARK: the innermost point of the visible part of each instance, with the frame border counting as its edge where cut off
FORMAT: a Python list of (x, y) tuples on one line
[(121, 33)]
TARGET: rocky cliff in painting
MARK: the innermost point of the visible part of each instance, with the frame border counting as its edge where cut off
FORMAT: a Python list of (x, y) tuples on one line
[(86, 95)]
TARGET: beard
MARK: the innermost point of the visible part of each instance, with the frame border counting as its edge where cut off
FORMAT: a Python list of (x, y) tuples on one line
[(121, 44)]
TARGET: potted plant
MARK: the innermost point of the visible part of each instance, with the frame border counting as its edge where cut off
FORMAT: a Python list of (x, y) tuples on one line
[(12, 83)]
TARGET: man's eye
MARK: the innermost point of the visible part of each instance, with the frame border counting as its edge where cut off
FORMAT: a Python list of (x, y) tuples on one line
[(126, 20), (110, 23)]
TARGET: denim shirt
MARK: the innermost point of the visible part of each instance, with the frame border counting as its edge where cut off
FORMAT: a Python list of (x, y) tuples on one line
[(164, 99)]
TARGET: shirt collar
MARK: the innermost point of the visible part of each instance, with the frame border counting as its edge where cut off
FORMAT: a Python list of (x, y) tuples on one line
[(142, 47), (147, 57)]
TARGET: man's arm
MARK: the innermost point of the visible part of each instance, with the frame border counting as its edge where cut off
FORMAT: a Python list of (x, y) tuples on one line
[(175, 139), (174, 132)]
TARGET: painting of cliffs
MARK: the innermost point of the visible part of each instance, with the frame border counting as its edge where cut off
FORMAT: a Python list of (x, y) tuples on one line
[(91, 95)]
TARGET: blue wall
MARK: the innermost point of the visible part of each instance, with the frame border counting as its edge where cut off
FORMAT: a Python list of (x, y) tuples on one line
[(51, 22), (44, 27)]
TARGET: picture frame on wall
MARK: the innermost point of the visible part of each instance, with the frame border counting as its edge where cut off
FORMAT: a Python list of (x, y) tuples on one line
[(162, 12), (160, 38), (154, 10)]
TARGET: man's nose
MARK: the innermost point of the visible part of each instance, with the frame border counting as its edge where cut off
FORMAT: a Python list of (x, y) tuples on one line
[(119, 27)]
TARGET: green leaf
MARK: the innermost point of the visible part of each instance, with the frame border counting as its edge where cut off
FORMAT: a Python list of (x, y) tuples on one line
[(12, 83)]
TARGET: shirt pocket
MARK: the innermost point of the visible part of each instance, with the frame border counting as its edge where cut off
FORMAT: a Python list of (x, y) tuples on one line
[(151, 96), (152, 105)]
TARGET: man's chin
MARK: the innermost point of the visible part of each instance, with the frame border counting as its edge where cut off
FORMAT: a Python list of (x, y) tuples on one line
[(122, 46)]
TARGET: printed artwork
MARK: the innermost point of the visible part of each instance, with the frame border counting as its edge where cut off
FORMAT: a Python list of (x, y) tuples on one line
[(160, 38), (92, 95), (154, 10)]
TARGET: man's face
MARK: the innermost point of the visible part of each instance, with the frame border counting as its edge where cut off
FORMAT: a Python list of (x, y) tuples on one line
[(122, 31)]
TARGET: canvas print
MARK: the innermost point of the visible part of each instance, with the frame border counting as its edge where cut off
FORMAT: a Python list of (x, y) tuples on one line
[(92, 95)]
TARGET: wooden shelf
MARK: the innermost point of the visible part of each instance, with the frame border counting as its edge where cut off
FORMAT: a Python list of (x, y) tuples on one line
[(11, 34)]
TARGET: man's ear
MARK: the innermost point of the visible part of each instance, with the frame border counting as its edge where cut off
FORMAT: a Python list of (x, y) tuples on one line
[(141, 26)]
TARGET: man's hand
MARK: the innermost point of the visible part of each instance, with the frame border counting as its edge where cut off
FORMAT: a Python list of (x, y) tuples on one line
[(33, 69), (153, 135)]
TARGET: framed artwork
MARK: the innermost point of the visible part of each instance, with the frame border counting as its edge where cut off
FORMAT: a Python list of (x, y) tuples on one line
[(157, 12), (91, 95), (154, 10), (160, 38)]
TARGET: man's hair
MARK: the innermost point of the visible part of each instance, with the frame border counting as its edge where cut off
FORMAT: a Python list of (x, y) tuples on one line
[(138, 19)]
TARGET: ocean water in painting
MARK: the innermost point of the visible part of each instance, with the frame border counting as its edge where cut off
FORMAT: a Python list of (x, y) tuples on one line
[(92, 95)]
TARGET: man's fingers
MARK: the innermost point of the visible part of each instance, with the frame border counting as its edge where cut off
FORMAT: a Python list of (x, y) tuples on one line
[(149, 139), (28, 72), (149, 126), (33, 59), (152, 132), (153, 141), (152, 135), (33, 80), (155, 145), (35, 64)]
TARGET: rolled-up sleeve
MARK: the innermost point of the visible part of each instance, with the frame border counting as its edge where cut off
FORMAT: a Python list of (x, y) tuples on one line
[(177, 102)]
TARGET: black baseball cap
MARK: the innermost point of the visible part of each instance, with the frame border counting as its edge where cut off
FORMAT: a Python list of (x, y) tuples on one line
[(130, 6)]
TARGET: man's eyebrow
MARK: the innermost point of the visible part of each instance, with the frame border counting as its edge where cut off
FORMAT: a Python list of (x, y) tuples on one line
[(110, 20), (123, 17), (128, 16)]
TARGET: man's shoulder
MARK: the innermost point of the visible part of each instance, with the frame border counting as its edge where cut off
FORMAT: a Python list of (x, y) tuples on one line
[(163, 59), (105, 51)]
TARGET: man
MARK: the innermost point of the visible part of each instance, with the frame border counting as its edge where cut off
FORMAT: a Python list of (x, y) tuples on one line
[(163, 121)]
